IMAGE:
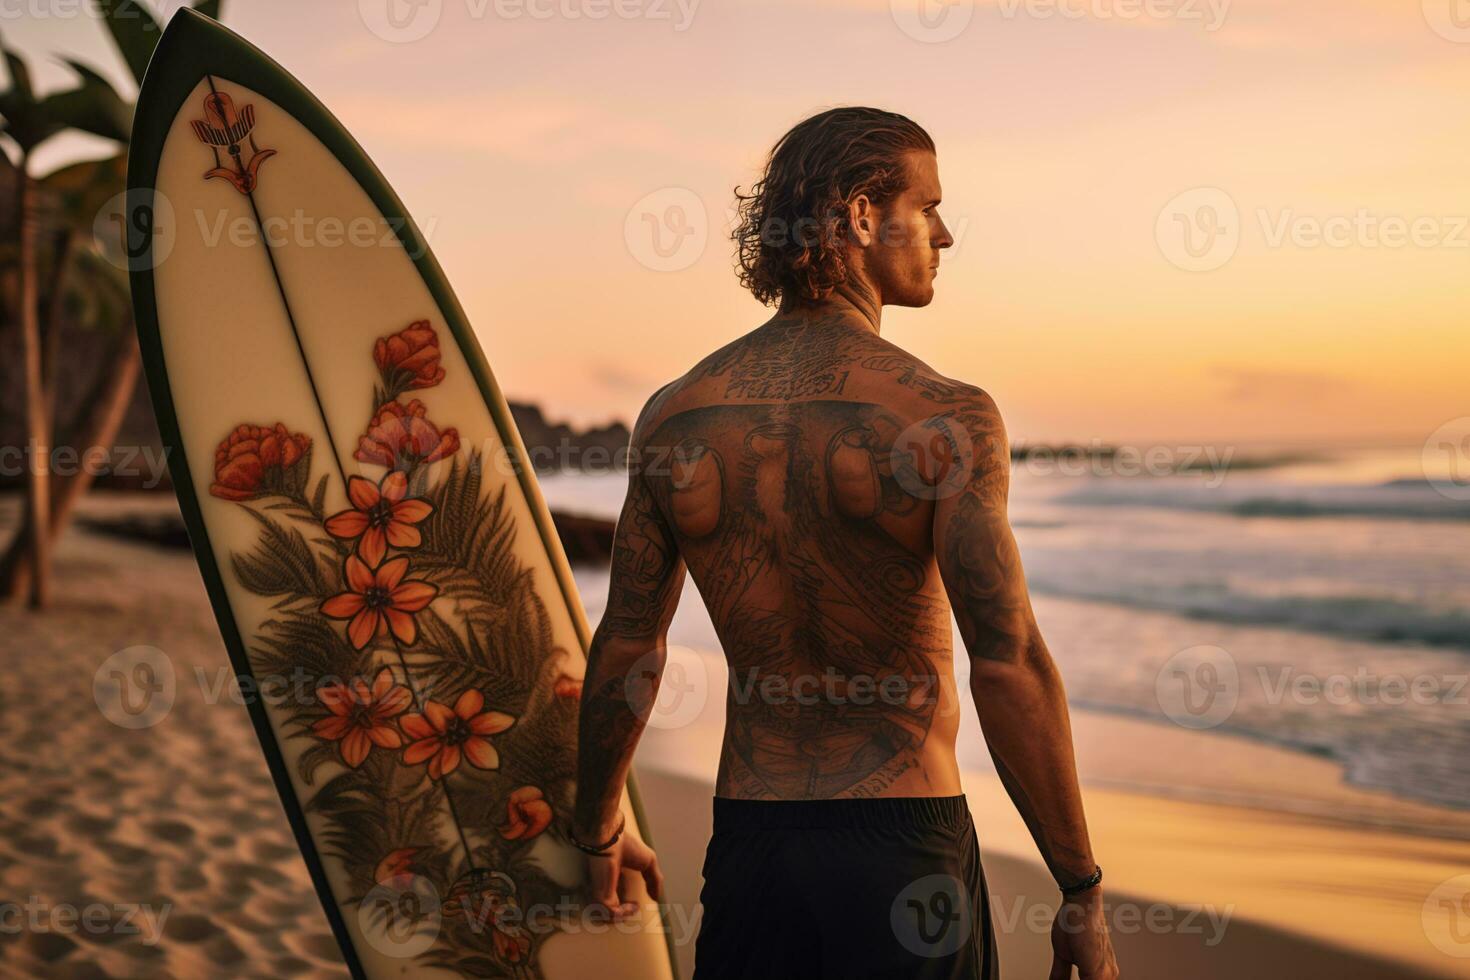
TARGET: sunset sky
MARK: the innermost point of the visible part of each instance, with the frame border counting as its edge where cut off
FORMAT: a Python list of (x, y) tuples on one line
[(1067, 131)]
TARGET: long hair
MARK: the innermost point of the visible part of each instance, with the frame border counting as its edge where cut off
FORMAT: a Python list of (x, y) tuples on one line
[(793, 230)]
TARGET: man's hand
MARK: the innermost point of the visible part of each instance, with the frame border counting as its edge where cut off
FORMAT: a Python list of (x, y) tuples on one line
[(1079, 937), (605, 874)]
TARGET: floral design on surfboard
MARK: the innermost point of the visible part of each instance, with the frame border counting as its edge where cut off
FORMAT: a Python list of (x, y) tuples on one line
[(437, 728), (224, 128)]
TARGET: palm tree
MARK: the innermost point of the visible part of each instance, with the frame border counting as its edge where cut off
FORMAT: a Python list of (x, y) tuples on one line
[(80, 192), (28, 122)]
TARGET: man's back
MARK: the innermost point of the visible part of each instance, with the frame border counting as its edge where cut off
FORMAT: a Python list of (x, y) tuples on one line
[(784, 464)]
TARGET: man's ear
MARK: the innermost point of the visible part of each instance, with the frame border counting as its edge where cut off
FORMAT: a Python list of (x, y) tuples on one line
[(862, 217)]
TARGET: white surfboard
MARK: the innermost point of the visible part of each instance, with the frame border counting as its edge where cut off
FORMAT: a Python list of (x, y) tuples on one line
[(383, 568)]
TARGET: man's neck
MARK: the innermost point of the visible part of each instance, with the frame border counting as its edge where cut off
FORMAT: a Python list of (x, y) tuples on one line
[(855, 306)]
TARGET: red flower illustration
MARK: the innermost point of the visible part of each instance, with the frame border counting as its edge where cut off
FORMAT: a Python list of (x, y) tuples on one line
[(396, 868), (256, 459), (361, 716), (378, 598), (409, 358), (512, 942), (442, 735), (401, 438), (380, 517), (528, 812)]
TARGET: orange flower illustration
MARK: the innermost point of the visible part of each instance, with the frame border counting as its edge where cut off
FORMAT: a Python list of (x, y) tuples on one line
[(409, 358), (380, 517), (379, 598), (528, 812), (400, 437), (442, 735), (361, 716), (254, 460)]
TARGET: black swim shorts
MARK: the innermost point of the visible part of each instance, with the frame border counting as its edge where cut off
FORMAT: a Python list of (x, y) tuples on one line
[(852, 888)]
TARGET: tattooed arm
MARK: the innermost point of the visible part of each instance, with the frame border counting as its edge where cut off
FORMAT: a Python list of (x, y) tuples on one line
[(1015, 684), (624, 667)]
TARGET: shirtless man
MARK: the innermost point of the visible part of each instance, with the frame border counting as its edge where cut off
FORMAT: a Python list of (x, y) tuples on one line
[(833, 498)]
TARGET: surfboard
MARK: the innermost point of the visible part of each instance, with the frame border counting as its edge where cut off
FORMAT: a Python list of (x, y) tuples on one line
[(386, 577)]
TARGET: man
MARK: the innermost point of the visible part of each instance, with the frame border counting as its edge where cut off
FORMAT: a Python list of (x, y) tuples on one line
[(833, 498)]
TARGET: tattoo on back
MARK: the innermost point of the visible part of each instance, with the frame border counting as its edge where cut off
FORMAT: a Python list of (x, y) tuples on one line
[(800, 360), (812, 561)]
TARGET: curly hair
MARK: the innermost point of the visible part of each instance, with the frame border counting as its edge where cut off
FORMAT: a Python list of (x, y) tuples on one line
[(792, 234)]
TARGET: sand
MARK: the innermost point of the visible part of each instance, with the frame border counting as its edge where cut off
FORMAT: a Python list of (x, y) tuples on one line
[(163, 852)]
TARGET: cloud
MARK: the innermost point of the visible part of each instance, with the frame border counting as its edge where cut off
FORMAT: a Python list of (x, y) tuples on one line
[(1279, 384)]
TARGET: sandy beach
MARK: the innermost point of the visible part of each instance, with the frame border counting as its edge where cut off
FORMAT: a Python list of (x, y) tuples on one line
[(162, 851)]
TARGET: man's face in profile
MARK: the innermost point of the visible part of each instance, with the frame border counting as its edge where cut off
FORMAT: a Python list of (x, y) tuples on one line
[(903, 257)]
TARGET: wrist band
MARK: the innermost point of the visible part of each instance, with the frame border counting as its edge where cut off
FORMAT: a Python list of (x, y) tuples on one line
[(1091, 881), (598, 850)]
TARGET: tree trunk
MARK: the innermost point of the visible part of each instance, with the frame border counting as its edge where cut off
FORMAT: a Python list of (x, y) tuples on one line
[(110, 395), (38, 424), (51, 340)]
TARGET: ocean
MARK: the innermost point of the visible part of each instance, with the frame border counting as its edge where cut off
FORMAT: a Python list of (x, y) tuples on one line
[(1318, 603)]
